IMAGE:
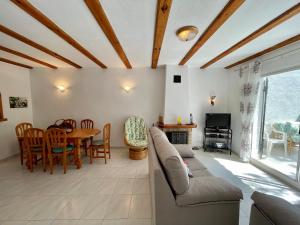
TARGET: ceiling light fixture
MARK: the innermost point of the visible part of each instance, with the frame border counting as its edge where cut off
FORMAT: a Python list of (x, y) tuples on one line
[(187, 33)]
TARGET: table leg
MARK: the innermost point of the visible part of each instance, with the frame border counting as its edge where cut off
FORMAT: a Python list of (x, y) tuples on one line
[(78, 153)]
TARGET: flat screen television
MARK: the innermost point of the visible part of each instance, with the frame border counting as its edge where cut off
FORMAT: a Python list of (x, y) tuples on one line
[(218, 120)]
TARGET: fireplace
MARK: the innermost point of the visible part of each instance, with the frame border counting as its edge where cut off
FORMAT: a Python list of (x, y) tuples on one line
[(178, 137), (178, 133)]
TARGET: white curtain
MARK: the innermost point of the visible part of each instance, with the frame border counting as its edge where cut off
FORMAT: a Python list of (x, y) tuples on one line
[(249, 85)]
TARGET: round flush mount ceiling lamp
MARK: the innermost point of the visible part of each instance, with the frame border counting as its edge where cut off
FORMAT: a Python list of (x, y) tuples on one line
[(187, 33)]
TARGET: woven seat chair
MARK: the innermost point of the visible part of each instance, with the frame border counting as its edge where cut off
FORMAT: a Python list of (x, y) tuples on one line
[(136, 137)]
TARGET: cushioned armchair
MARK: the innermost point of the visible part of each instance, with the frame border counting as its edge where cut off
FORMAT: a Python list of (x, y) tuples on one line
[(136, 137)]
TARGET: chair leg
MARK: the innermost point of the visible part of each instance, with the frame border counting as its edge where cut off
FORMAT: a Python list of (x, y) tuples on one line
[(44, 161), (65, 162), (50, 163), (21, 155), (85, 147), (91, 154), (105, 155), (30, 161), (109, 151), (285, 148)]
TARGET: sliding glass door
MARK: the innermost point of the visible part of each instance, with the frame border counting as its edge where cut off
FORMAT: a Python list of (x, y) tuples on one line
[(279, 123)]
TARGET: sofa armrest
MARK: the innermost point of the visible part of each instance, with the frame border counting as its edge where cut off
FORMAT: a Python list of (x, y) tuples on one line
[(208, 190), (279, 211)]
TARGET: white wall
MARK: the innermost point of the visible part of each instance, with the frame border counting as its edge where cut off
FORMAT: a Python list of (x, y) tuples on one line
[(177, 96), (203, 83), (97, 94), (284, 59), (14, 81)]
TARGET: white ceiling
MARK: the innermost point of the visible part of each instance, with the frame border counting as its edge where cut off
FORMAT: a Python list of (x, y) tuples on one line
[(134, 21)]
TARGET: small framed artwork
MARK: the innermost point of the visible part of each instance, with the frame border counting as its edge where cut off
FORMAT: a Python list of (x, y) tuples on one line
[(18, 102)]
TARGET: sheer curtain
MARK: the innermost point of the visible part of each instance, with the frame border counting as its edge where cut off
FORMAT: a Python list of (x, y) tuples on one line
[(249, 85)]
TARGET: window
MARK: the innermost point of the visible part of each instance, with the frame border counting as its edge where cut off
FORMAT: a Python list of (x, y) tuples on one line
[(280, 113), (1, 111)]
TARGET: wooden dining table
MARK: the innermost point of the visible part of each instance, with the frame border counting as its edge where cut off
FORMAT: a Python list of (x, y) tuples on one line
[(79, 134), (76, 136)]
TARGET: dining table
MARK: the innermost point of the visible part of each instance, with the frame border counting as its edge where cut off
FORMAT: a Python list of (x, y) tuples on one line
[(76, 136), (79, 134)]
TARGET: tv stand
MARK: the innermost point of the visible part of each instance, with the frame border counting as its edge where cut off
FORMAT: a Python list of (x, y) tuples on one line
[(217, 139)]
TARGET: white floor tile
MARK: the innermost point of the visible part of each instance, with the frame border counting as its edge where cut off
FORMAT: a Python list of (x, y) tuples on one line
[(118, 207), (140, 207)]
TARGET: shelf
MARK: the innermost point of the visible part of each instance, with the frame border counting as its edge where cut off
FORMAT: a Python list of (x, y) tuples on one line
[(3, 119), (177, 126)]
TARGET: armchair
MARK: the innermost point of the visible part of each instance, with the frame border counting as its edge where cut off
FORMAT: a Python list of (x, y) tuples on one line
[(136, 137), (274, 136)]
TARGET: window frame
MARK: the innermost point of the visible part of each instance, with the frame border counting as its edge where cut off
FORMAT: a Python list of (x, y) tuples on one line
[(2, 118)]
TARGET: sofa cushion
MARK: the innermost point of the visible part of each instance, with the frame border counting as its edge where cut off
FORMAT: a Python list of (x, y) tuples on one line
[(155, 132), (173, 164), (185, 151), (279, 211), (208, 189), (201, 173), (194, 164)]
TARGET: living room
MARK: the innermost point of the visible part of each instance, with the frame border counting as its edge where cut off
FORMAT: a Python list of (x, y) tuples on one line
[(166, 64)]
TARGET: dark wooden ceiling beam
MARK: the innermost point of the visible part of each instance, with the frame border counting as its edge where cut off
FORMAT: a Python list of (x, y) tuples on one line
[(270, 25), (267, 50), (15, 63), (101, 18), (27, 41), (226, 12), (162, 15), (39, 16), (20, 54)]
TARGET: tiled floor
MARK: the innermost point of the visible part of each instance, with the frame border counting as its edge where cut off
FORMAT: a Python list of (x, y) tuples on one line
[(278, 160), (112, 194)]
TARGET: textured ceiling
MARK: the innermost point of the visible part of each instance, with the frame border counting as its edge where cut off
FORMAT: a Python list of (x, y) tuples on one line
[(134, 21)]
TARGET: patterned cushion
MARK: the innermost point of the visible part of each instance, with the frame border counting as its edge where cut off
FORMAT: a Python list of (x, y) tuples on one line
[(136, 132), (60, 150), (138, 143)]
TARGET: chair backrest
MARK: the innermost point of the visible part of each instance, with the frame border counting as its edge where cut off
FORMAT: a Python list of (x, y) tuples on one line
[(20, 129), (56, 138), (72, 122), (34, 138), (135, 129), (87, 124), (106, 134)]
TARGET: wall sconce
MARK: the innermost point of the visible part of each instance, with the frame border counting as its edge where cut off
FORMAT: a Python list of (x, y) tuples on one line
[(127, 88), (212, 100), (61, 88)]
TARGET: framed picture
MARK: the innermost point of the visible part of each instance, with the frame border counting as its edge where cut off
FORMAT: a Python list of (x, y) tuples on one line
[(18, 102)]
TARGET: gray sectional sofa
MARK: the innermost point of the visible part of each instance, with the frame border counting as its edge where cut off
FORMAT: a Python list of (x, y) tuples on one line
[(183, 191), (271, 210)]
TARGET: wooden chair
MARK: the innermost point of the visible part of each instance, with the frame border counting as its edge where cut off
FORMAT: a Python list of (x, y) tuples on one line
[(72, 122), (86, 124), (20, 130), (58, 148), (97, 145), (34, 142)]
